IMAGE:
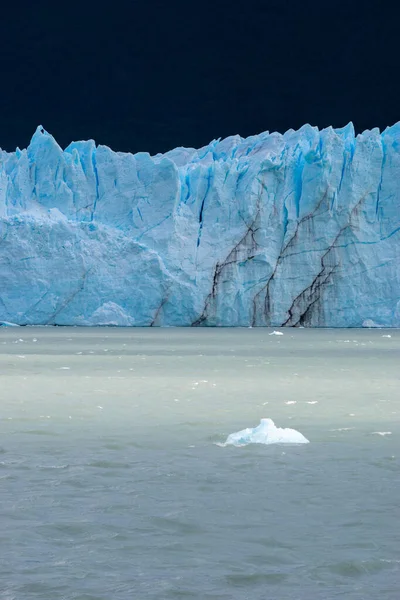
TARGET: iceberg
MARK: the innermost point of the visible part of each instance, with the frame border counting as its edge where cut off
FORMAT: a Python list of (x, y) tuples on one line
[(265, 433), (294, 229)]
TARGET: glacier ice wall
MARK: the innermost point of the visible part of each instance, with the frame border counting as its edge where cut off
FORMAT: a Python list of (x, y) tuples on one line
[(294, 229)]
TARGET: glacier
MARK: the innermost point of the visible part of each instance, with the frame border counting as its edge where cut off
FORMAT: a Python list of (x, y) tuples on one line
[(293, 229)]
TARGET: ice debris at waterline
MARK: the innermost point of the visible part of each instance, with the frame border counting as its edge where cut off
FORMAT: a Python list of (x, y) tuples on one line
[(295, 229), (265, 433)]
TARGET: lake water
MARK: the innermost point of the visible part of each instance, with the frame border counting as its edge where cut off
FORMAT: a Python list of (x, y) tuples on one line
[(112, 485)]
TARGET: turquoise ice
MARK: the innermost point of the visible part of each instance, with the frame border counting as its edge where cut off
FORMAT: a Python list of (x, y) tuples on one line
[(295, 229)]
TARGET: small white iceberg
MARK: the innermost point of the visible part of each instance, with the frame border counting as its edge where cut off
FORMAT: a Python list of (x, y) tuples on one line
[(265, 433)]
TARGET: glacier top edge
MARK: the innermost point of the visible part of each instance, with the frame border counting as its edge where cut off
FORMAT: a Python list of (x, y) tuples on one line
[(225, 149)]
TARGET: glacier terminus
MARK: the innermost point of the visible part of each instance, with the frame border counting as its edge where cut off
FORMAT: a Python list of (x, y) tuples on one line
[(294, 229)]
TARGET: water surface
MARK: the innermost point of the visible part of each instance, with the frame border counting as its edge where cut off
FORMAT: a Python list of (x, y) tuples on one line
[(112, 485)]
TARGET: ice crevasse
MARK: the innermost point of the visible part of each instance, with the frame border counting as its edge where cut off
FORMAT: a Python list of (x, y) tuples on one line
[(301, 228)]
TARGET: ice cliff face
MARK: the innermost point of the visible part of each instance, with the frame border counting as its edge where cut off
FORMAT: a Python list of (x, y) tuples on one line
[(294, 229)]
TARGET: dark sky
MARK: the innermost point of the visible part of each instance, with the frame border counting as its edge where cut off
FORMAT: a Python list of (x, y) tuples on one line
[(154, 74)]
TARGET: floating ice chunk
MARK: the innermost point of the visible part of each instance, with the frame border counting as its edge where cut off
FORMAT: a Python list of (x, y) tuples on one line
[(381, 433), (291, 402), (265, 433), (8, 324), (276, 333), (387, 336)]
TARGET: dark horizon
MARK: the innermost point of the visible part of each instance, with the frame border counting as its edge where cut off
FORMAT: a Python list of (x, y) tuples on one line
[(149, 77)]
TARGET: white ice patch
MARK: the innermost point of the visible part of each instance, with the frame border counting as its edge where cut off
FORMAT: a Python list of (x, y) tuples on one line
[(381, 433), (111, 314), (276, 333), (370, 324), (342, 429), (265, 433)]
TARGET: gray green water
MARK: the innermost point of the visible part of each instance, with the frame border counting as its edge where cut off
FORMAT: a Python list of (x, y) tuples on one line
[(112, 486)]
